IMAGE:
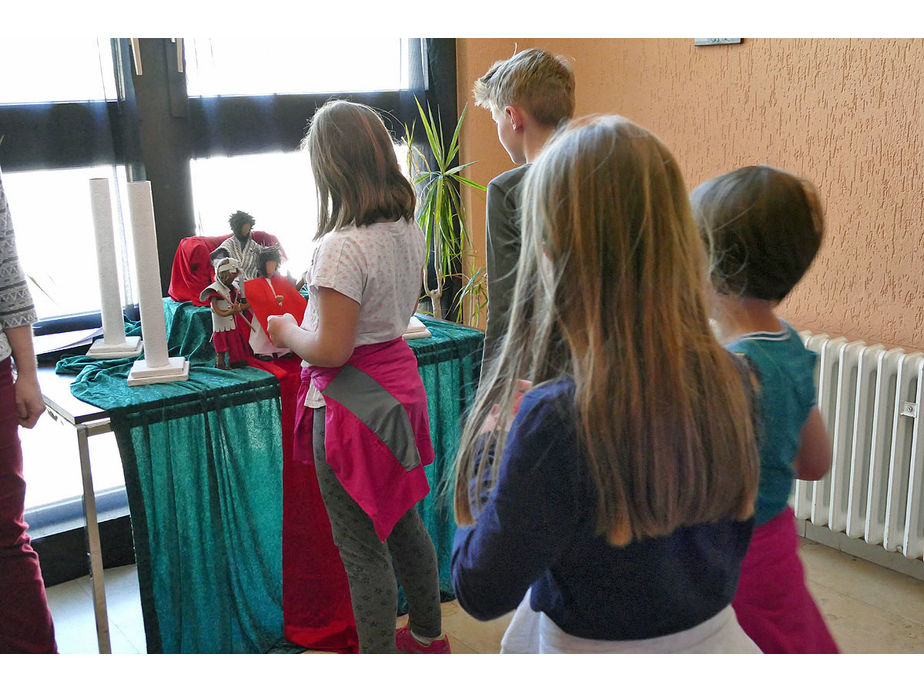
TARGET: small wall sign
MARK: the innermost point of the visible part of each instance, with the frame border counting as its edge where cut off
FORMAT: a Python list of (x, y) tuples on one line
[(714, 41)]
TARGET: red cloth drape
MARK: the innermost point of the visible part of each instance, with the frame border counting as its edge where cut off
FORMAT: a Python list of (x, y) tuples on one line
[(316, 609), (192, 269)]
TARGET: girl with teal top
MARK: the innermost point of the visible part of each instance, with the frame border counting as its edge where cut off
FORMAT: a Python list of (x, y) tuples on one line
[(763, 227)]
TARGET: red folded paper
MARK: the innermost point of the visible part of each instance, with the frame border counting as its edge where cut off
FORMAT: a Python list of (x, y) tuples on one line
[(264, 301)]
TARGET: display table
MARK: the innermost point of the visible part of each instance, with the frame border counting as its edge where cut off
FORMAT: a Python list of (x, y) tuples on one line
[(206, 476)]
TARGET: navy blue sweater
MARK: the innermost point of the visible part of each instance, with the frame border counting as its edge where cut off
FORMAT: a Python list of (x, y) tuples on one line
[(537, 529)]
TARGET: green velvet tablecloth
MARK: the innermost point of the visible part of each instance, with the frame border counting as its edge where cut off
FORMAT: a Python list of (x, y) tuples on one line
[(203, 473)]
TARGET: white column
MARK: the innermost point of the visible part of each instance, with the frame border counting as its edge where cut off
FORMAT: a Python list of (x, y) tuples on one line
[(114, 344), (156, 366)]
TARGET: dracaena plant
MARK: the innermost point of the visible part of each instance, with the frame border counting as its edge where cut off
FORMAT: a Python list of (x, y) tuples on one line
[(441, 215)]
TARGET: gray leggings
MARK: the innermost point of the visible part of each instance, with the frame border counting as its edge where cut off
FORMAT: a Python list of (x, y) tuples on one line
[(373, 589)]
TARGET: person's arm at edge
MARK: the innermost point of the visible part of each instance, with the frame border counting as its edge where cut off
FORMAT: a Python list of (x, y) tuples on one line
[(29, 402), (503, 238), (813, 459)]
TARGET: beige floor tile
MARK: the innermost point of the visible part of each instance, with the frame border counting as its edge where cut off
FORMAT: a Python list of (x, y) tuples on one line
[(131, 625), (71, 605), (77, 635), (450, 609), (123, 603), (460, 647), (480, 636), (69, 600), (894, 593), (468, 635), (860, 628), (80, 638)]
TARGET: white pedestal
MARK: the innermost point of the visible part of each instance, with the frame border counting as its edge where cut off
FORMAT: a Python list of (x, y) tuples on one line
[(132, 346), (177, 368), (114, 344), (156, 366)]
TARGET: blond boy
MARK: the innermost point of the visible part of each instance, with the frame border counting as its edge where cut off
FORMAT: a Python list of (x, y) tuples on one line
[(529, 96)]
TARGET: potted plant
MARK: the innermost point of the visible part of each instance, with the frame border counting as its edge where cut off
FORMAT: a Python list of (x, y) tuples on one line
[(441, 215)]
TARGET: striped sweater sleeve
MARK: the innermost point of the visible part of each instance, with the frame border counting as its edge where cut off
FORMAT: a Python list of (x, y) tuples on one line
[(16, 306)]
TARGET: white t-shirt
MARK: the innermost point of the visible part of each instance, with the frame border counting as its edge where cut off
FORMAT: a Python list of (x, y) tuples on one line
[(378, 266)]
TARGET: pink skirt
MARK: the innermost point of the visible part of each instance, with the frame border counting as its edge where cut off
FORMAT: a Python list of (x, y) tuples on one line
[(773, 604)]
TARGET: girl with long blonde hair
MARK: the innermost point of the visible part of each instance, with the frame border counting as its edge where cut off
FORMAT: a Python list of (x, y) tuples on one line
[(620, 497)]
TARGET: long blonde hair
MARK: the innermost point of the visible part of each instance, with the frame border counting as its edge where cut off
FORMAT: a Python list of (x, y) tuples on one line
[(355, 168), (610, 292)]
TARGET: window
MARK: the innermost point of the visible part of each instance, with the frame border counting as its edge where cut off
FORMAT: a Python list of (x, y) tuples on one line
[(51, 465), (55, 237), (258, 66), (276, 189), (64, 86), (55, 70)]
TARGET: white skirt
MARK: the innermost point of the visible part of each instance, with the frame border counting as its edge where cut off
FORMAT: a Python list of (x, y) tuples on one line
[(532, 632)]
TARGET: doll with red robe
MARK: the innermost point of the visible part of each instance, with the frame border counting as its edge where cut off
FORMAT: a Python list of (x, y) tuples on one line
[(270, 293)]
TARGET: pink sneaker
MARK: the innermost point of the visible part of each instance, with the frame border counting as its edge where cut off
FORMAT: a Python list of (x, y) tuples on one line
[(405, 642)]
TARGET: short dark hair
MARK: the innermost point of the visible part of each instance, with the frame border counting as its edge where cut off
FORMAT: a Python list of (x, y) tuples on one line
[(267, 253), (762, 227), (237, 220)]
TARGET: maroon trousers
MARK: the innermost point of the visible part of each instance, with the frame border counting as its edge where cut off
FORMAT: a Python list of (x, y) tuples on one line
[(25, 622), (773, 603)]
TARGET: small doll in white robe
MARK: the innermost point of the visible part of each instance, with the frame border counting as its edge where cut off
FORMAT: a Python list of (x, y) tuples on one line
[(222, 295)]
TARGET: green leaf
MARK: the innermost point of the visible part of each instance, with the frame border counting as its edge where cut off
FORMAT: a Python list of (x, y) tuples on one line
[(456, 169), (470, 183)]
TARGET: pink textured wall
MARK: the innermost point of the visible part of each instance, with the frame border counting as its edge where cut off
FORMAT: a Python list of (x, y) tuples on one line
[(845, 113)]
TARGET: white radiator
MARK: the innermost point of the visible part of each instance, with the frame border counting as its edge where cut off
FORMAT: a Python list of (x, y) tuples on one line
[(870, 399)]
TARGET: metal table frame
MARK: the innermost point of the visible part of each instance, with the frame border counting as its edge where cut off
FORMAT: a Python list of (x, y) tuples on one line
[(86, 421)]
